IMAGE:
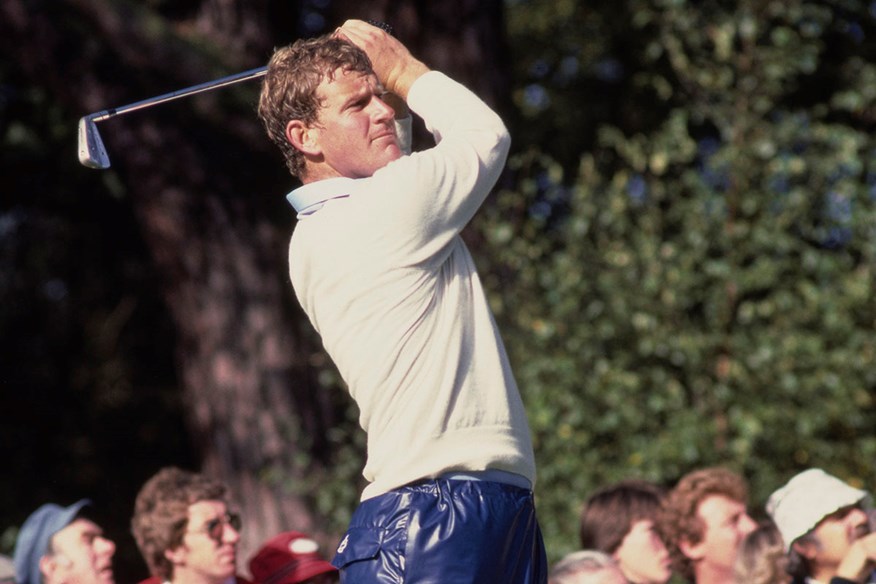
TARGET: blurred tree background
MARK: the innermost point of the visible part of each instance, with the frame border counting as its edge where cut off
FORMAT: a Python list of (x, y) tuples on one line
[(681, 254)]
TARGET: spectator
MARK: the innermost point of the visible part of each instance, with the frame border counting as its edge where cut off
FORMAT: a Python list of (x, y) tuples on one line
[(705, 520), (185, 530), (620, 520), (761, 558), (291, 558), (586, 567), (825, 526), (59, 545), (7, 570)]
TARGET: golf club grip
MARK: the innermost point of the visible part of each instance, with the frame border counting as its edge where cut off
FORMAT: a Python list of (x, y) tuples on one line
[(381, 25)]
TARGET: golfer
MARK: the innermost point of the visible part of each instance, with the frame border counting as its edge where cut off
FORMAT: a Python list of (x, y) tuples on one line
[(378, 264)]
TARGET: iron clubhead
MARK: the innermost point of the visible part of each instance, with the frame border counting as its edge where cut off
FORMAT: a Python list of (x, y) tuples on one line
[(91, 150)]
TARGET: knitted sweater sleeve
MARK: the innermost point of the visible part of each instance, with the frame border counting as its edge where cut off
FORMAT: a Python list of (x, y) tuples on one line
[(428, 197)]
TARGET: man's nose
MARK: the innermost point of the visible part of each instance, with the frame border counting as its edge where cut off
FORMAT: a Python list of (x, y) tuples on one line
[(747, 524), (105, 545), (229, 534), (857, 517), (383, 109)]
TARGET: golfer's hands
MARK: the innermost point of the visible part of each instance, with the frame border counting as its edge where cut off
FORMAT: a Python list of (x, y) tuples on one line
[(860, 560), (393, 64)]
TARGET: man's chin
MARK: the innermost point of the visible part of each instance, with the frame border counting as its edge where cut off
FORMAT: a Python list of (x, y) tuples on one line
[(393, 152)]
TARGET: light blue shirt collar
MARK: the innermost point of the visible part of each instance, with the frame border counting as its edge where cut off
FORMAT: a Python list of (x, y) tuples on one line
[(309, 198)]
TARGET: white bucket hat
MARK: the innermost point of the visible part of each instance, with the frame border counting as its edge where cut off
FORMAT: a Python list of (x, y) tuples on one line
[(808, 498)]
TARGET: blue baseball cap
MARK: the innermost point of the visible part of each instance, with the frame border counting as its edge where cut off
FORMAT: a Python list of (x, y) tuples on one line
[(33, 539)]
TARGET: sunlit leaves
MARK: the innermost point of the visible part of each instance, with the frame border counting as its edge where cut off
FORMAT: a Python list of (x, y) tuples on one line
[(704, 294)]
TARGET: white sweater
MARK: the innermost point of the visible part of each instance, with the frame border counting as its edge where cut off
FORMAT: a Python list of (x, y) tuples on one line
[(384, 276)]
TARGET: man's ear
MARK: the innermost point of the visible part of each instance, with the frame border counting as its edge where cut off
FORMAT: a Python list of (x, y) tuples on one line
[(177, 555), (302, 137), (48, 566), (693, 551), (807, 549)]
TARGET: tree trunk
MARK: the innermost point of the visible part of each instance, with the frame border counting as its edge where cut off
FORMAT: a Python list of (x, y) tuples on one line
[(204, 183)]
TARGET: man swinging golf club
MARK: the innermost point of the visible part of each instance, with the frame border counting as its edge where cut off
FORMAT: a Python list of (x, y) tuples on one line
[(378, 264)]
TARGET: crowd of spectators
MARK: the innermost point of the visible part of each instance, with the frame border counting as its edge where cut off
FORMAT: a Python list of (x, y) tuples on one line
[(187, 532), (815, 529)]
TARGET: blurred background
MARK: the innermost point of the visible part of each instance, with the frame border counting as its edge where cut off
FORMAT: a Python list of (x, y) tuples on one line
[(681, 253)]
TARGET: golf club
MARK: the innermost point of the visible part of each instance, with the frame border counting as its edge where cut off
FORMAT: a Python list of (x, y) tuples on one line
[(92, 152)]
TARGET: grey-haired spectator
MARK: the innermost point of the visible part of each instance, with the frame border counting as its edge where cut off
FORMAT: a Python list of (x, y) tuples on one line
[(60, 545), (825, 528), (7, 570), (762, 558), (586, 567)]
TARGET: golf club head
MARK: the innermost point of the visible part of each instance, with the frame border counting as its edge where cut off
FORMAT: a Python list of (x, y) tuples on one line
[(91, 150)]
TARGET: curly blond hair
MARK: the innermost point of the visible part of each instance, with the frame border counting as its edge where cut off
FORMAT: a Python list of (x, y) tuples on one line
[(679, 520), (161, 513)]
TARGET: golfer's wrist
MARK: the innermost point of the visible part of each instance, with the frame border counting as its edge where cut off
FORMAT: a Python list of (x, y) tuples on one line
[(406, 77)]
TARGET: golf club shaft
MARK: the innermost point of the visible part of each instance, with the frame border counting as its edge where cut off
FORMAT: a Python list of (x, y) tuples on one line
[(92, 152), (209, 85)]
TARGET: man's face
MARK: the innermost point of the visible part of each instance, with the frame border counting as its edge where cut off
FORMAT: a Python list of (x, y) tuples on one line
[(726, 525), (208, 552), (80, 555), (642, 555), (836, 533), (355, 132)]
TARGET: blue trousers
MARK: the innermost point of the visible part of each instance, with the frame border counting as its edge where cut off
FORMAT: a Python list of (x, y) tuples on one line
[(444, 532)]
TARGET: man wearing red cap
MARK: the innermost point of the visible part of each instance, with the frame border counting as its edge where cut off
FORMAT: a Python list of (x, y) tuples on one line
[(291, 558)]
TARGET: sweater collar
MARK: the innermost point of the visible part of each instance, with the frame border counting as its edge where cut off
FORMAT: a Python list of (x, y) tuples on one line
[(310, 197)]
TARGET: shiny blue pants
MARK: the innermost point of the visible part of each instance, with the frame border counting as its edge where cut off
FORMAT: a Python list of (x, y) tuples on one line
[(444, 532)]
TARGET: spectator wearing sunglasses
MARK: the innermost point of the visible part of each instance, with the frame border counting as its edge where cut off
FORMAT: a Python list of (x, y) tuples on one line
[(185, 529)]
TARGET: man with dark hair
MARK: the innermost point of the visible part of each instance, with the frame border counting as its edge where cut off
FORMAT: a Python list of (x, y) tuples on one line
[(61, 545), (185, 530), (704, 521), (620, 520), (379, 266), (825, 527)]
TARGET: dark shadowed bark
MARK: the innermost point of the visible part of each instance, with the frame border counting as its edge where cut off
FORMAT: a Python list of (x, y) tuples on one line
[(207, 189)]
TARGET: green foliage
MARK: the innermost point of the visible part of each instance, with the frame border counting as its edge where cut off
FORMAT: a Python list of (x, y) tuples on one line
[(697, 288)]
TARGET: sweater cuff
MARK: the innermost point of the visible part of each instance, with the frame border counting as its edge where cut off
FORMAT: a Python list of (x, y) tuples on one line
[(840, 580)]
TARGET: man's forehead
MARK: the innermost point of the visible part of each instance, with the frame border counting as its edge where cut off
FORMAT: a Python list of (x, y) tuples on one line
[(208, 508), (343, 81), (717, 505), (79, 526)]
